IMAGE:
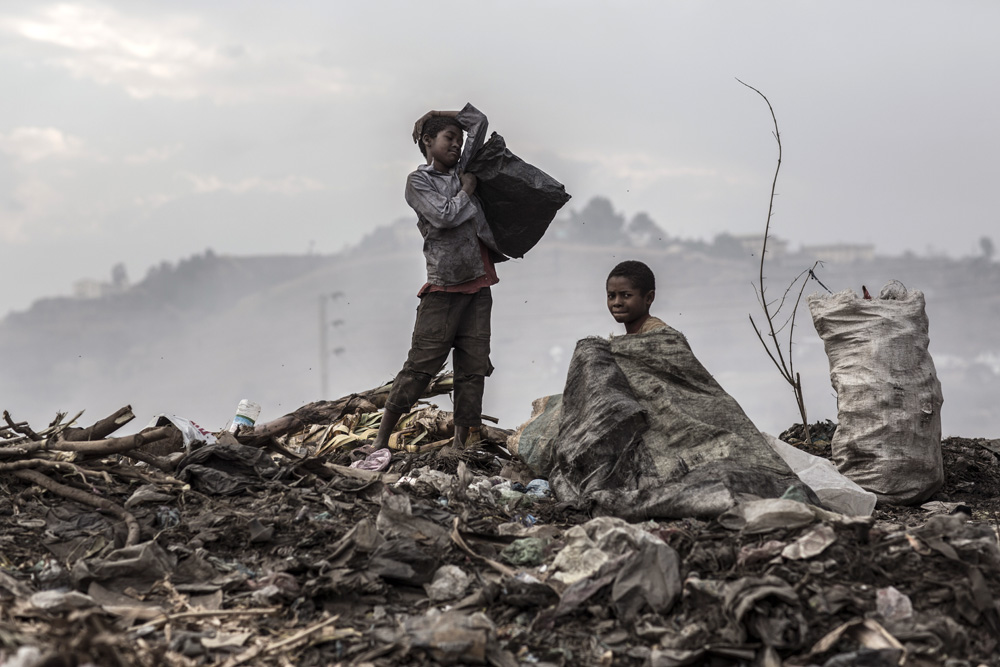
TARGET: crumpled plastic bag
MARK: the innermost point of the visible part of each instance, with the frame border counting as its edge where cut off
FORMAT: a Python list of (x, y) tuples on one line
[(376, 461), (769, 514), (519, 200), (768, 609), (192, 432), (592, 544), (650, 578), (454, 637), (450, 582), (138, 566), (225, 469)]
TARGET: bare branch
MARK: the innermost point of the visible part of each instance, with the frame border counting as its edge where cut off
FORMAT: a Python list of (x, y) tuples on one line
[(101, 428), (786, 369), (80, 496)]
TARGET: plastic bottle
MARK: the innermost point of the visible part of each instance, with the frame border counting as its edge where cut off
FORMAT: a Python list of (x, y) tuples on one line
[(246, 415)]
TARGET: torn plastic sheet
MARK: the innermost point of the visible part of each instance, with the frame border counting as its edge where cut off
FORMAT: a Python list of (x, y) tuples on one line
[(224, 468), (650, 578), (837, 491), (767, 608), (592, 544), (866, 632), (454, 638), (138, 567), (764, 516), (811, 544), (532, 441)]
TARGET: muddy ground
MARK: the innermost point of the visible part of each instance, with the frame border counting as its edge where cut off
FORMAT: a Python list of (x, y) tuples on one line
[(296, 559)]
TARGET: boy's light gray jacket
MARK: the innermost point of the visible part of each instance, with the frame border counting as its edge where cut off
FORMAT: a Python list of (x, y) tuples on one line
[(450, 220)]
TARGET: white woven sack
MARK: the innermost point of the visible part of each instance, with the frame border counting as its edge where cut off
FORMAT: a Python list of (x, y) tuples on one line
[(888, 437)]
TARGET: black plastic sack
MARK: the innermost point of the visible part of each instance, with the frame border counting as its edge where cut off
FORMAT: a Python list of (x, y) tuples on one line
[(519, 200)]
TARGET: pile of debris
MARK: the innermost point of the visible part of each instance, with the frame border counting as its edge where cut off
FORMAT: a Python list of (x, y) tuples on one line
[(292, 543)]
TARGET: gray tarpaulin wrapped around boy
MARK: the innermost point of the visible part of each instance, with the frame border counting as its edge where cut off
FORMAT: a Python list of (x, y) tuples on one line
[(647, 432)]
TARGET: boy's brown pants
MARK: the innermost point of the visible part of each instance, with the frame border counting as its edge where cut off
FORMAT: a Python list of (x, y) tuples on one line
[(447, 320)]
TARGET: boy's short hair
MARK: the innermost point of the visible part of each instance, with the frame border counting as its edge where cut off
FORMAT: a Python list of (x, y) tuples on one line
[(432, 126), (637, 273)]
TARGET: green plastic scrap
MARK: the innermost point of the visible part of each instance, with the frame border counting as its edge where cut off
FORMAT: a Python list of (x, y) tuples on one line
[(795, 493), (525, 552), (516, 499)]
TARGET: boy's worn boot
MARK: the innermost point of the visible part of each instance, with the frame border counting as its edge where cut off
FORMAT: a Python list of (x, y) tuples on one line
[(467, 437), (474, 438)]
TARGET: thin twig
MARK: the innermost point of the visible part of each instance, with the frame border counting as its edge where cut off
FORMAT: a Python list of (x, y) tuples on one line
[(208, 613), (791, 330), (786, 369), (255, 651), (21, 427), (813, 276), (58, 466)]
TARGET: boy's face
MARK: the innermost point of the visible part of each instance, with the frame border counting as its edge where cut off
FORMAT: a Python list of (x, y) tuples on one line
[(445, 149), (625, 302)]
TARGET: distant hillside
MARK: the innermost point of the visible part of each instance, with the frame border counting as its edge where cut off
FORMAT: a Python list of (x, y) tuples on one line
[(196, 337)]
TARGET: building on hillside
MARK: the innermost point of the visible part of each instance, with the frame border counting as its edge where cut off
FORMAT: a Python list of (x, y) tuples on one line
[(752, 243), (88, 288), (839, 253)]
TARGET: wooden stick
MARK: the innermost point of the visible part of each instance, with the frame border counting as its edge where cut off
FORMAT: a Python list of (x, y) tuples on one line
[(115, 445), (210, 613), (21, 428), (92, 447), (327, 412), (364, 475), (58, 466), (157, 462), (101, 428), (150, 475), (254, 651), (456, 537), (80, 496)]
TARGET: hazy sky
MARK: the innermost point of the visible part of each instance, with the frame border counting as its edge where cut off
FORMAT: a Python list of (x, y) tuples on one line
[(144, 131)]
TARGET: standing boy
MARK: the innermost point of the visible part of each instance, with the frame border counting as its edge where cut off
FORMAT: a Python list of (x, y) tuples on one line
[(455, 303), (631, 290)]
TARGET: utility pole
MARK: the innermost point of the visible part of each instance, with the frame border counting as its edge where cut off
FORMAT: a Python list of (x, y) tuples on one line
[(323, 354), (324, 345)]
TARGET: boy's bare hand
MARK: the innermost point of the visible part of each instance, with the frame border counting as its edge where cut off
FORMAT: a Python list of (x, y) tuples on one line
[(468, 182), (419, 126)]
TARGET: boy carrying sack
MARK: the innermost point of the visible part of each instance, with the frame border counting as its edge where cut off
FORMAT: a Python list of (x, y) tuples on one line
[(455, 302)]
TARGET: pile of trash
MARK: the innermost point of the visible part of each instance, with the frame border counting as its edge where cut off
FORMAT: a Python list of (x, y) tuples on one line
[(291, 542)]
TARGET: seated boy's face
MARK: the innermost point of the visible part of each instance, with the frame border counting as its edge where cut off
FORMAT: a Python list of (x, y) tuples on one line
[(446, 148), (625, 302)]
